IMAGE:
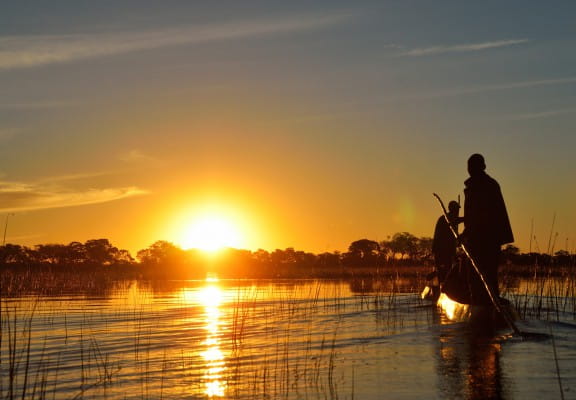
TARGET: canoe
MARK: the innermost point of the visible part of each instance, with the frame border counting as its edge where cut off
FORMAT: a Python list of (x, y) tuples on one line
[(484, 316)]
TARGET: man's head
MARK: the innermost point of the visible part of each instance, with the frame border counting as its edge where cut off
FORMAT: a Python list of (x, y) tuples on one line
[(453, 207), (476, 164)]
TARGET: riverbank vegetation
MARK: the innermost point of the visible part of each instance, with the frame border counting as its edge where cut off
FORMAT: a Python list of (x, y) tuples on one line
[(94, 264)]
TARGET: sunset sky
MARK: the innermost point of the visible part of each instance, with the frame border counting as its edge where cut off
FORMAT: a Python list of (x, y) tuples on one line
[(299, 124)]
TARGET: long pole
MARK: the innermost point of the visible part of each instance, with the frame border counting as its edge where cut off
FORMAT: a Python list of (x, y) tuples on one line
[(5, 229), (493, 299)]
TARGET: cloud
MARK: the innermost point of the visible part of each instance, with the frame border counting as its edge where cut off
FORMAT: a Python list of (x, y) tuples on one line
[(460, 48), (74, 177), (36, 105), (541, 114), (18, 196), (489, 88), (135, 155), (31, 51)]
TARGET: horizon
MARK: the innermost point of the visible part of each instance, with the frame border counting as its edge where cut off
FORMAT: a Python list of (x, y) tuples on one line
[(216, 251), (274, 126)]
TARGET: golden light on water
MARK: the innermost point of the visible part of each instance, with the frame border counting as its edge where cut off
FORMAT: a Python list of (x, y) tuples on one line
[(213, 353), (212, 297), (215, 389)]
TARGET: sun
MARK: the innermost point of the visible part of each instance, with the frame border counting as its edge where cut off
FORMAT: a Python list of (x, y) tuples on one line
[(211, 233)]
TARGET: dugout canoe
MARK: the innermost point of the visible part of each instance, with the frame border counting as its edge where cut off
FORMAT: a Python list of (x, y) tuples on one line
[(484, 316)]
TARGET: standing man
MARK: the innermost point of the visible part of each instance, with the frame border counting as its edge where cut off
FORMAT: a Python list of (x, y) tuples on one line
[(486, 224), (444, 243)]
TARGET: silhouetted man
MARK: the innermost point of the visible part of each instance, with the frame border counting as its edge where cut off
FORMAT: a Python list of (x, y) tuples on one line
[(486, 224), (444, 243)]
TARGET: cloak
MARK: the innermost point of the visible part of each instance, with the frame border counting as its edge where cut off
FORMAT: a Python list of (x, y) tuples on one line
[(485, 217)]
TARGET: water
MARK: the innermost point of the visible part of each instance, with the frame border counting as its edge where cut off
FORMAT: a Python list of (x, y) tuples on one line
[(270, 340)]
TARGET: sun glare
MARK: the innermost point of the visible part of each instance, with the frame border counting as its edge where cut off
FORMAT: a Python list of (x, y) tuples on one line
[(211, 233)]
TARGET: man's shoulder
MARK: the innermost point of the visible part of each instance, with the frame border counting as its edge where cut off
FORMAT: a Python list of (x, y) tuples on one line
[(492, 182), (483, 180)]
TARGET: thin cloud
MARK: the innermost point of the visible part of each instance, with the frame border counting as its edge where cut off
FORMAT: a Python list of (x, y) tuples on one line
[(18, 196), (539, 115), (73, 177), (490, 88), (36, 105), (460, 48), (136, 155), (32, 51)]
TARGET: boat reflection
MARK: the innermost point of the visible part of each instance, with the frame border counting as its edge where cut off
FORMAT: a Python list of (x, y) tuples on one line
[(468, 365), (211, 297)]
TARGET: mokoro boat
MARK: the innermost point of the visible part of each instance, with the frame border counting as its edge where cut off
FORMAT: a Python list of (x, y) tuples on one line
[(484, 316)]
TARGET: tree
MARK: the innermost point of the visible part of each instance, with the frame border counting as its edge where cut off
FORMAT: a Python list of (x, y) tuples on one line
[(261, 257), (76, 253), (51, 253), (386, 252), (283, 257), (161, 252), (424, 249), (14, 254), (364, 248), (328, 259), (511, 254), (100, 252), (362, 252), (562, 257), (405, 244)]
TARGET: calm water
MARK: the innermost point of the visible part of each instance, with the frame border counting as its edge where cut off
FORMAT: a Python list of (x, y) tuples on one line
[(271, 340)]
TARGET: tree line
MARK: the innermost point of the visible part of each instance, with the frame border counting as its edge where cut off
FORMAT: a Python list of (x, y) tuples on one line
[(403, 248)]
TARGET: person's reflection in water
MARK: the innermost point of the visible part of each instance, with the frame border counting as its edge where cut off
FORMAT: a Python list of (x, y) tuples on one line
[(469, 366), (484, 379)]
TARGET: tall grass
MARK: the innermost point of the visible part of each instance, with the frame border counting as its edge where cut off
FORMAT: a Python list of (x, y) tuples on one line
[(545, 293), (268, 336)]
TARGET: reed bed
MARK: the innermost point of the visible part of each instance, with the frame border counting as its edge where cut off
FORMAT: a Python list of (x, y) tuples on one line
[(544, 294), (264, 342)]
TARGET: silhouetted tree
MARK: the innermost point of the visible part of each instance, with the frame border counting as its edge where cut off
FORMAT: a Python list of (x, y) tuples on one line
[(161, 252), (362, 252), (14, 254), (261, 257), (386, 252), (405, 244), (562, 257), (424, 249), (364, 248), (76, 253), (283, 257), (100, 252), (510, 254), (51, 253), (329, 259)]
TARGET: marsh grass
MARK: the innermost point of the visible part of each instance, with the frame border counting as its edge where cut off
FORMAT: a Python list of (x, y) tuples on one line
[(268, 336), (543, 293), (295, 365)]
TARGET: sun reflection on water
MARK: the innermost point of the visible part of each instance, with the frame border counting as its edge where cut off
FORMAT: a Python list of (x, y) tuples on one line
[(211, 297)]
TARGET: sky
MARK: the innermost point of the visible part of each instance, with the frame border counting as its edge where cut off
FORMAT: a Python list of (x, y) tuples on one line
[(300, 124)]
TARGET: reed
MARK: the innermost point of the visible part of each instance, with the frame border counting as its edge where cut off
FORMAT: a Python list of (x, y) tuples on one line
[(547, 294), (279, 320)]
